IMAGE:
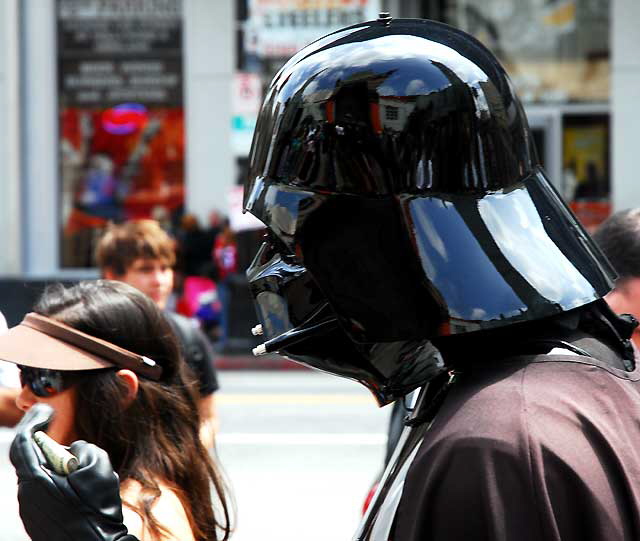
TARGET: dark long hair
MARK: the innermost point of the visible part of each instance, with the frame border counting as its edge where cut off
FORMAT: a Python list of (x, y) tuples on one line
[(156, 436)]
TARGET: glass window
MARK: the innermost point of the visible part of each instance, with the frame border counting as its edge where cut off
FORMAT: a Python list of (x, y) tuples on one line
[(554, 50), (586, 167), (121, 120)]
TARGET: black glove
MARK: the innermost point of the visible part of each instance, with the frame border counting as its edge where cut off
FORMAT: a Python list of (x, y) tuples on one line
[(83, 506)]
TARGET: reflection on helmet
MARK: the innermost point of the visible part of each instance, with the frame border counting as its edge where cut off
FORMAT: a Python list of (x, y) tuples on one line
[(394, 169)]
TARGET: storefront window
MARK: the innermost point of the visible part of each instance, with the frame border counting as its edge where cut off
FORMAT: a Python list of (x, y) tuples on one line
[(554, 50), (557, 55), (121, 119), (586, 167)]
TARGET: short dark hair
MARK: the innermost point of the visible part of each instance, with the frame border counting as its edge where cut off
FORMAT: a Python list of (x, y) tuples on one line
[(619, 239)]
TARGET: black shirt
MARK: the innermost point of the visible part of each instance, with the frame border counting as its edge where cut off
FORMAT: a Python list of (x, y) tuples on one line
[(197, 352)]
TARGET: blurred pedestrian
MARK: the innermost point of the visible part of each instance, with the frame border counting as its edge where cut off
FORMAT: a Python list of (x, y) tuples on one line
[(140, 253), (216, 221), (619, 239), (194, 247), (101, 373), (10, 414), (225, 256)]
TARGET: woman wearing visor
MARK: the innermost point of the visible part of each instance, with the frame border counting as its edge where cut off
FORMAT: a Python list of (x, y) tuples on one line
[(101, 373)]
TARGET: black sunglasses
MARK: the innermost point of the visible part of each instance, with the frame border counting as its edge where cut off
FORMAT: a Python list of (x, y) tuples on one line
[(46, 383)]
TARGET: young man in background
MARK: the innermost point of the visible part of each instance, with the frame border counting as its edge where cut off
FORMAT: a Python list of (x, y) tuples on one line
[(141, 254)]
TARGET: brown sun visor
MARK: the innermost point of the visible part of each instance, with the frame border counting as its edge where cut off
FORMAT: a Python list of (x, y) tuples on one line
[(42, 342)]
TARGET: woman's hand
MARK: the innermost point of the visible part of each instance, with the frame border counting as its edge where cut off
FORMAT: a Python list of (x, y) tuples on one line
[(84, 505)]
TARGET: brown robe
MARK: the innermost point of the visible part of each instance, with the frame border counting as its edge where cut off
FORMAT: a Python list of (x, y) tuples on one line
[(543, 448)]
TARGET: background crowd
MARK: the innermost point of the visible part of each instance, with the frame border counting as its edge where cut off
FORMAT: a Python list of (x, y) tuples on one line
[(205, 259)]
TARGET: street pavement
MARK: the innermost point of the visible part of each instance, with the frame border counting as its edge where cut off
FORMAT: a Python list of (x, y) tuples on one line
[(11, 527), (299, 448)]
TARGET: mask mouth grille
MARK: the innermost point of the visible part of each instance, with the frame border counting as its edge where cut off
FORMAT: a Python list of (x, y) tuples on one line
[(287, 298)]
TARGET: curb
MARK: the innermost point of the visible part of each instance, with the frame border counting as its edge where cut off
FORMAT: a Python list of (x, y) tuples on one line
[(250, 362)]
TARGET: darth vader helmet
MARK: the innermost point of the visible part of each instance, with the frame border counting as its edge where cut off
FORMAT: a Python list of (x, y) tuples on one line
[(393, 166)]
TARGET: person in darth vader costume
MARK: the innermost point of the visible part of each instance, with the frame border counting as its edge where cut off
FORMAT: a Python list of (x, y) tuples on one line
[(413, 241)]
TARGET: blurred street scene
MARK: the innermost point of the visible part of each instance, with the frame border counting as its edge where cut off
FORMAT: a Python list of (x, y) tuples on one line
[(140, 120), (114, 110)]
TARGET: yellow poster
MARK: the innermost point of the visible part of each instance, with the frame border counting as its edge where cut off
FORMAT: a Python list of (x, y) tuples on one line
[(586, 169), (585, 156)]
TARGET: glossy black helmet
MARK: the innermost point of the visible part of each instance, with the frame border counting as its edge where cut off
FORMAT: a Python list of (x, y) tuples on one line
[(393, 166)]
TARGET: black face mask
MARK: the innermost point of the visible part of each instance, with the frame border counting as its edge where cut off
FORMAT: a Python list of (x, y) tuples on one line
[(299, 323)]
